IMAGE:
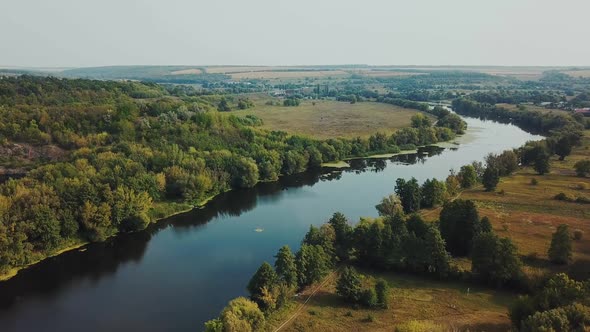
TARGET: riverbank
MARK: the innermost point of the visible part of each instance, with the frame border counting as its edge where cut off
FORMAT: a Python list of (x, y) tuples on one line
[(163, 210), (14, 271)]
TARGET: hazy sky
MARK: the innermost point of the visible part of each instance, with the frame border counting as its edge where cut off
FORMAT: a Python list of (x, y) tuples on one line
[(296, 32)]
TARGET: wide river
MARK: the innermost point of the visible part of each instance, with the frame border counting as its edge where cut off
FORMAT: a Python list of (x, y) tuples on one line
[(182, 271)]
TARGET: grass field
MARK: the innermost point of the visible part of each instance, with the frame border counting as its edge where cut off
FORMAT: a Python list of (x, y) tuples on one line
[(416, 304), (529, 214), (585, 73), (291, 74), (330, 119), (512, 107)]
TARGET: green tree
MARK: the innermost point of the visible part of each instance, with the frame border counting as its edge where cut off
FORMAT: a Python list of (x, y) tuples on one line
[(495, 260), (575, 317), (459, 223), (382, 290), (421, 120), (369, 297), (491, 178), (312, 264), (467, 176), (241, 315), (542, 164), (390, 206), (433, 193), (349, 285), (582, 168), (223, 105), (560, 250), (285, 266), (409, 194), (343, 235), (263, 280)]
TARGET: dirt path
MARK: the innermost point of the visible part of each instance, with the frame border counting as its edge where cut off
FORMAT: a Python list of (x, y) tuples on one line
[(301, 306)]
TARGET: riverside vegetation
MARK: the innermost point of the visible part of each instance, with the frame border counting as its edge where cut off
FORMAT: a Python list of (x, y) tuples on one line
[(104, 157), (400, 240)]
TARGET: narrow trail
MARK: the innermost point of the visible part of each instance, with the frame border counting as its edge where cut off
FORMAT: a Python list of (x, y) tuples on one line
[(302, 305)]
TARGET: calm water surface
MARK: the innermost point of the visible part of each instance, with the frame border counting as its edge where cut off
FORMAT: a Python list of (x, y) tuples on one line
[(182, 271)]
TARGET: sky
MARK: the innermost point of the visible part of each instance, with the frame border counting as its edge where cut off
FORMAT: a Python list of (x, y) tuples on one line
[(83, 33)]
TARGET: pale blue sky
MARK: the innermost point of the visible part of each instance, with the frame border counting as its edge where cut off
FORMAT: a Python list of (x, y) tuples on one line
[(297, 32)]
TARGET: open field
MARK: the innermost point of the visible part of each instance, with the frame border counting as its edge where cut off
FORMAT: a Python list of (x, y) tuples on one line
[(424, 304), (530, 107), (241, 69), (330, 119), (529, 214), (195, 71), (585, 73), (386, 73), (291, 74)]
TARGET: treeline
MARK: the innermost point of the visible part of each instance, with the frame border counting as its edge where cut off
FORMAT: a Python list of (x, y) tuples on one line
[(393, 242), (543, 123), (396, 241), (124, 153), (517, 96)]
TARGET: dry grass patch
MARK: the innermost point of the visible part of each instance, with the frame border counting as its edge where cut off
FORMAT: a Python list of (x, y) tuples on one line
[(195, 71), (331, 119), (290, 74), (414, 303)]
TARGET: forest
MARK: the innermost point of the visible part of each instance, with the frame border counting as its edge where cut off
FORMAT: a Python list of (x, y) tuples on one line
[(132, 152)]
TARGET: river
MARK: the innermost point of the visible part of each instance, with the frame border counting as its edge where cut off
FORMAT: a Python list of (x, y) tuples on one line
[(182, 271)]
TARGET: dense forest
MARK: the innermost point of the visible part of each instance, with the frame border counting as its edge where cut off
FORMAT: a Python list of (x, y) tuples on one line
[(128, 150)]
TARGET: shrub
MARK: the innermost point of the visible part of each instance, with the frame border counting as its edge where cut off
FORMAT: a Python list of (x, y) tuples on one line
[(369, 297), (582, 168), (564, 197), (578, 234), (583, 200), (534, 182)]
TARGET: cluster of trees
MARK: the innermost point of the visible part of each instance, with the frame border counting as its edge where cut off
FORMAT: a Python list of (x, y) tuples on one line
[(559, 304), (270, 287), (517, 96), (433, 192), (544, 123), (350, 287), (564, 131), (121, 148)]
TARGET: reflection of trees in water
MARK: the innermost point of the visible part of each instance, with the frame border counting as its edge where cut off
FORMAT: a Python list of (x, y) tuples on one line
[(47, 278), (376, 165), (100, 259)]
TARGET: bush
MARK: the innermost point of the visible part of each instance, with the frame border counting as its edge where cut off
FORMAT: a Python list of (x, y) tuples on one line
[(534, 182), (370, 318), (583, 200), (578, 234), (564, 197), (369, 297), (582, 168)]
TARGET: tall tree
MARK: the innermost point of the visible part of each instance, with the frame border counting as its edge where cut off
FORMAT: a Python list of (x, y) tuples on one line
[(491, 178), (495, 260), (459, 223), (409, 194), (263, 280), (285, 266), (349, 285), (560, 250)]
